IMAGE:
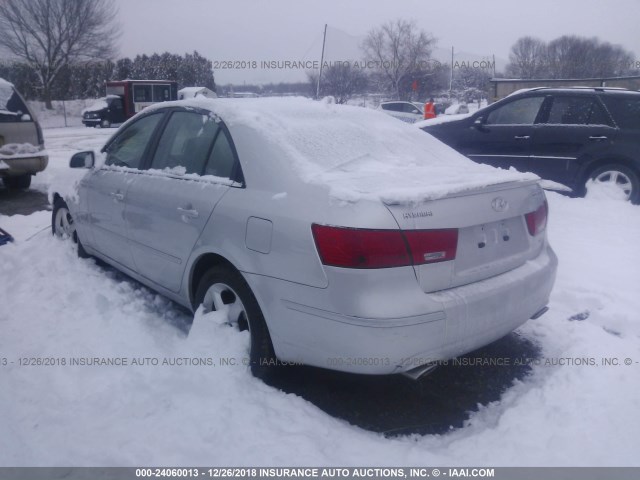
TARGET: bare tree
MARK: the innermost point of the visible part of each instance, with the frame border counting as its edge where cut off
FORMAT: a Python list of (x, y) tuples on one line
[(51, 34), (579, 57), (396, 50), (340, 80), (527, 58), (568, 56)]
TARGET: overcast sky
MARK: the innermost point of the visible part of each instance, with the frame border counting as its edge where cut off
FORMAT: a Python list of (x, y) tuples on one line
[(257, 30)]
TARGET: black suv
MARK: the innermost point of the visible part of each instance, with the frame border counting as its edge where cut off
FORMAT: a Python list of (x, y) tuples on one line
[(568, 135)]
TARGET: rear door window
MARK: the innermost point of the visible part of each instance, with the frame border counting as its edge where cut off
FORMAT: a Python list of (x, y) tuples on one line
[(185, 143), (518, 112), (578, 110)]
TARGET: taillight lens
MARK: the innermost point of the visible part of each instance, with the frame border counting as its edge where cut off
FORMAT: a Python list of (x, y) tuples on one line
[(360, 248), (537, 220), (367, 248)]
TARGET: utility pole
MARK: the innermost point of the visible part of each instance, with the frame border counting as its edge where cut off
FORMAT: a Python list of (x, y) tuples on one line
[(321, 61), (451, 78)]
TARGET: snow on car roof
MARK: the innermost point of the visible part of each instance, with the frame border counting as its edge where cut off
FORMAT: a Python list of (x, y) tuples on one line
[(358, 153)]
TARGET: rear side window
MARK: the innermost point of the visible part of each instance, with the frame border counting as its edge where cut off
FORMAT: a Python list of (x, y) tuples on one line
[(222, 160), (127, 149), (625, 111), (186, 142), (12, 108), (577, 111), (392, 107), (518, 112)]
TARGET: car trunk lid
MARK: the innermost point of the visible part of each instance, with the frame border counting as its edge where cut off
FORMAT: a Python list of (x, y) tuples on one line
[(492, 233)]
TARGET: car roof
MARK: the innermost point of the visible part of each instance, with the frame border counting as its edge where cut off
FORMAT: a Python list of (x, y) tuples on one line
[(285, 143), (580, 90)]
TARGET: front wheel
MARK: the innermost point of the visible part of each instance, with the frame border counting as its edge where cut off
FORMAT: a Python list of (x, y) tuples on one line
[(620, 177), (63, 226), (105, 123), (224, 289)]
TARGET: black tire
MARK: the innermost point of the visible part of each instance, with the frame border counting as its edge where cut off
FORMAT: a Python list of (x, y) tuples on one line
[(105, 123), (20, 182), (628, 178), (262, 356), (60, 208)]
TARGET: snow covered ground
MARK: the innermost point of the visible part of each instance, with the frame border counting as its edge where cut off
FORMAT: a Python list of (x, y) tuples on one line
[(571, 410)]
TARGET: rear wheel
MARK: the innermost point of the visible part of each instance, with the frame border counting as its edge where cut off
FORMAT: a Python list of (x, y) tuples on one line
[(19, 182), (620, 177), (224, 289), (63, 226)]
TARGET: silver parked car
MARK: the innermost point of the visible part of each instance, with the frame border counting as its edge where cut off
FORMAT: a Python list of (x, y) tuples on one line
[(338, 236), (409, 112), (21, 142)]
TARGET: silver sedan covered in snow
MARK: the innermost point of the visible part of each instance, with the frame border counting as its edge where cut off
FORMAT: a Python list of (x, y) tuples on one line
[(338, 236)]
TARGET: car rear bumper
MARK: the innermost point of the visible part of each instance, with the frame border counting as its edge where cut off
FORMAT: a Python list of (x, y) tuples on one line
[(426, 327), (22, 165)]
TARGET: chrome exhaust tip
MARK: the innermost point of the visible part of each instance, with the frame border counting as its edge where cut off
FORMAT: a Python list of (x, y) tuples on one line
[(421, 371)]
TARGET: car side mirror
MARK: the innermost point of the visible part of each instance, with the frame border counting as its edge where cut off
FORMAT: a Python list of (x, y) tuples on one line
[(82, 160), (479, 123)]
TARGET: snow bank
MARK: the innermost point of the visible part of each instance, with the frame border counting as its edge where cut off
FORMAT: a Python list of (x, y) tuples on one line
[(356, 152)]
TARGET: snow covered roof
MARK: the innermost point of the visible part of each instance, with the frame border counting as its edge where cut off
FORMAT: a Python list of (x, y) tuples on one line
[(356, 152), (190, 92)]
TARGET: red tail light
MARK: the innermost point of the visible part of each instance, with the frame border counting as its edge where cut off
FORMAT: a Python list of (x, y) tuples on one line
[(365, 248), (537, 220), (360, 248)]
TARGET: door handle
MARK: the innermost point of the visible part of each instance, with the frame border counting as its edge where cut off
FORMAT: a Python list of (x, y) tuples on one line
[(186, 212), (522, 137), (598, 138), (117, 196)]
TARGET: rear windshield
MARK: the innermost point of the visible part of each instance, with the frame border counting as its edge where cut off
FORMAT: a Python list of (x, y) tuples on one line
[(12, 108), (625, 110)]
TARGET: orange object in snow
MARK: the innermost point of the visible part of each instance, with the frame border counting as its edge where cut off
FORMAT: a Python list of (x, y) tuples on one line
[(429, 110)]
